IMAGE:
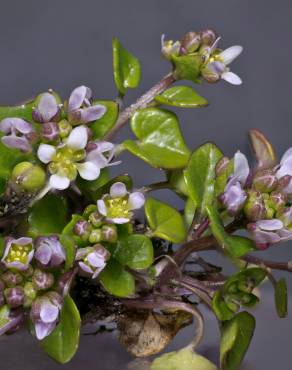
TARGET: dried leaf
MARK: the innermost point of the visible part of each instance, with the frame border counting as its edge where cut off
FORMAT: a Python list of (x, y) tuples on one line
[(263, 150)]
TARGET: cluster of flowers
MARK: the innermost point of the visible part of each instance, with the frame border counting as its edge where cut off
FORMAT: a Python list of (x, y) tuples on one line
[(264, 198), (214, 60), (65, 150)]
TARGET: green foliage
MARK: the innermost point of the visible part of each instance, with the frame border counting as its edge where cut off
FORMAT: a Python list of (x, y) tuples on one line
[(236, 337), (48, 216), (116, 280), (103, 125), (236, 292), (187, 67), (235, 245), (69, 245), (222, 179), (181, 96), (90, 189), (160, 142), (165, 221), (281, 298), (200, 175), (135, 251), (20, 111), (177, 182), (190, 209), (127, 70), (62, 343)]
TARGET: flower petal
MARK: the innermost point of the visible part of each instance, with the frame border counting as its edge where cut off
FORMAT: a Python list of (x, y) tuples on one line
[(228, 55), (77, 97), (47, 106), (85, 267), (92, 113), (104, 146), (42, 329), (118, 190), (287, 155), (43, 254), (241, 167), (101, 207), (119, 220), (49, 312), (78, 138), (18, 142), (95, 260), (19, 124), (46, 152), (136, 200), (232, 78), (88, 170), (59, 182), (270, 225)]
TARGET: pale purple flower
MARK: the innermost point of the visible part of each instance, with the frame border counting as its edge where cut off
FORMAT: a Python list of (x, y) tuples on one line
[(268, 232), (117, 206), (80, 109), (234, 196), (45, 312), (92, 260), (101, 153), (18, 253), (49, 251), (285, 167), (17, 133), (47, 109)]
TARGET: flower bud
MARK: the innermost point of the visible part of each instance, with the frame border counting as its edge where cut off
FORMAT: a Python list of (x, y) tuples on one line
[(83, 229), (47, 108), (28, 272), (285, 185), (92, 260), (285, 215), (211, 72), (265, 181), (14, 296), (190, 42), (270, 211), (95, 236), (29, 176), (254, 208), (2, 286), (2, 299), (232, 302), (96, 219), (278, 200), (30, 294), (11, 279), (42, 280), (208, 37), (109, 233), (221, 165), (49, 251), (64, 128), (50, 131)]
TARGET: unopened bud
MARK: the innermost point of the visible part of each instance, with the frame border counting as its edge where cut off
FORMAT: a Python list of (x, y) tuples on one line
[(265, 181), (29, 176), (232, 302), (83, 229), (285, 185), (95, 236), (208, 37), (109, 233), (30, 291), (2, 299), (278, 200), (64, 128), (50, 131), (11, 279), (96, 219), (285, 215), (14, 296), (190, 42), (28, 272), (221, 165), (254, 208), (2, 286), (42, 280)]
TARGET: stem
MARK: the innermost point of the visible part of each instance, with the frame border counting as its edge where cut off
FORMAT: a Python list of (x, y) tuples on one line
[(155, 186), (284, 266), (142, 102)]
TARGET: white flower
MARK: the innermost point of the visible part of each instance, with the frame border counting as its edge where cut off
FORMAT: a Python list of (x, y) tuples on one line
[(69, 159), (117, 206)]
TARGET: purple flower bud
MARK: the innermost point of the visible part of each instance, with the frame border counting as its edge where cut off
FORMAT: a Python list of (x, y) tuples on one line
[(42, 280), (95, 219), (16, 132), (10, 319), (208, 37), (66, 281), (190, 42), (278, 200), (285, 215), (254, 208), (11, 279), (92, 260), (64, 128), (221, 165), (18, 253), (14, 296), (47, 108), (49, 251), (50, 131), (285, 185), (2, 285), (233, 197), (265, 181), (95, 236), (2, 300), (30, 292), (109, 233), (83, 229)]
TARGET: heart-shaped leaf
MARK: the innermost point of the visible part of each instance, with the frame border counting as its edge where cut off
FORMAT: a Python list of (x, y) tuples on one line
[(263, 150), (200, 174), (235, 245), (160, 142), (181, 96), (62, 343), (165, 221), (136, 251), (281, 298), (103, 125), (116, 280), (236, 337), (127, 70)]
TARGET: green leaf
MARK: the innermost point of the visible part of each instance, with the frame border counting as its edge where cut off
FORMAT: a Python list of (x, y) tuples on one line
[(236, 337), (20, 111), (136, 251), (263, 150), (68, 230), (62, 343), (103, 125), (281, 298), (90, 188), (235, 245), (190, 209), (48, 216), (70, 248), (181, 96), (220, 308), (116, 280), (200, 174), (165, 221), (177, 182), (127, 70), (160, 140)]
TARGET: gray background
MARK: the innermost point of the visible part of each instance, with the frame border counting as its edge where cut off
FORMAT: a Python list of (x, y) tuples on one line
[(62, 44)]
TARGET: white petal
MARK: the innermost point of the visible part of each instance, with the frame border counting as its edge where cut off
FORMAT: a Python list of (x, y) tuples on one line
[(88, 170), (118, 190), (230, 54), (46, 152), (77, 97), (101, 207), (95, 260), (78, 138), (136, 200), (49, 313), (270, 225), (285, 169), (241, 167), (232, 78), (287, 155), (97, 158), (104, 146), (119, 220), (59, 182)]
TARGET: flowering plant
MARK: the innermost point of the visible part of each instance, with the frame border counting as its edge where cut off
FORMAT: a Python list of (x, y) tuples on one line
[(73, 247)]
